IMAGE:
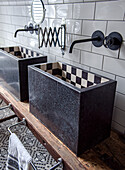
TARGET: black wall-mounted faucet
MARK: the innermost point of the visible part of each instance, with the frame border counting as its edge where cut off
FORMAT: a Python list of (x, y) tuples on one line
[(26, 28), (113, 41)]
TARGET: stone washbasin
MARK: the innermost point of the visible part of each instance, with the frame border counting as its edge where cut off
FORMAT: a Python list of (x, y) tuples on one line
[(14, 71), (74, 104)]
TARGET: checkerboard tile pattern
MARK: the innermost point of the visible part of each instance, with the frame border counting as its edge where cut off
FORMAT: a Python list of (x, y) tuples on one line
[(75, 76), (21, 52)]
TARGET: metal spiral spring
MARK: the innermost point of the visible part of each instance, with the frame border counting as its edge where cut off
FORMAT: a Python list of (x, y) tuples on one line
[(52, 37)]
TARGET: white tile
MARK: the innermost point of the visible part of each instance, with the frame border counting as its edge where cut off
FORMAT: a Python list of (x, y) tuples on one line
[(113, 10), (75, 56), (119, 116), (120, 101), (118, 127), (105, 51), (89, 27), (102, 73), (122, 51), (69, 1), (50, 11), (114, 66), (120, 84), (83, 11), (82, 46), (18, 20), (79, 65), (116, 26), (63, 11), (73, 26), (92, 60), (55, 1)]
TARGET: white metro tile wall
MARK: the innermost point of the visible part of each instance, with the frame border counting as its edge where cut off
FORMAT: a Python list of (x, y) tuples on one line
[(83, 17)]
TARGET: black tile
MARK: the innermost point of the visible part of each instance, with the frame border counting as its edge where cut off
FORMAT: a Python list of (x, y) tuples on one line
[(26, 51), (64, 67), (11, 49), (89, 83), (55, 72), (78, 80), (17, 53), (22, 49), (24, 56), (84, 75), (68, 76), (73, 71), (73, 83), (97, 79), (32, 54), (63, 78), (82, 87), (49, 66)]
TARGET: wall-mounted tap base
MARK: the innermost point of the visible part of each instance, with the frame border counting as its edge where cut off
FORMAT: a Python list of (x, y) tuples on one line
[(113, 41), (99, 42)]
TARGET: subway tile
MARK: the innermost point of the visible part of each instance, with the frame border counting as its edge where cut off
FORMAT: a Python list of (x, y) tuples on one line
[(114, 66), (118, 127), (116, 26), (75, 56), (69, 39), (63, 11), (113, 10), (120, 101), (50, 11), (73, 26), (102, 73), (18, 20), (83, 11), (55, 1), (105, 51), (122, 51), (89, 27), (91, 59), (119, 117), (79, 65), (5, 19), (120, 84), (70, 1)]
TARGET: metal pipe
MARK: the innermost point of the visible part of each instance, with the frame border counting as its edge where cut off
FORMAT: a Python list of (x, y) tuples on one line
[(58, 163), (83, 40), (27, 29), (5, 107)]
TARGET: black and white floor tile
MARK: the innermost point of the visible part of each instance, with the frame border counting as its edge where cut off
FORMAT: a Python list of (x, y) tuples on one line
[(40, 156)]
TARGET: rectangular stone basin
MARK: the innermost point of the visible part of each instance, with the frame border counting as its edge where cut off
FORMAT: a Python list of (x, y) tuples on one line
[(75, 104), (14, 71)]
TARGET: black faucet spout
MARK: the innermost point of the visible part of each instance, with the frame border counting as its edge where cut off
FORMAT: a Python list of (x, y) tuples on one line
[(19, 31), (97, 40), (81, 41), (25, 29)]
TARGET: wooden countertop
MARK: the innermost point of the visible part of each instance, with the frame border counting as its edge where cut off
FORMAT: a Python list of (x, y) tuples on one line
[(110, 154)]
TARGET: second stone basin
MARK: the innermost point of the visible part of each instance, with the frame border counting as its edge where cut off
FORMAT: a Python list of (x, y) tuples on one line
[(14, 71), (75, 104)]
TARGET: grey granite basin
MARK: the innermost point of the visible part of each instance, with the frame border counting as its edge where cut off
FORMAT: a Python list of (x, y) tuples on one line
[(14, 71), (76, 105)]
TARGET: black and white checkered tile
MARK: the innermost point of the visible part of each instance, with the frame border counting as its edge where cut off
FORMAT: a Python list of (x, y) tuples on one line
[(77, 77), (20, 52)]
